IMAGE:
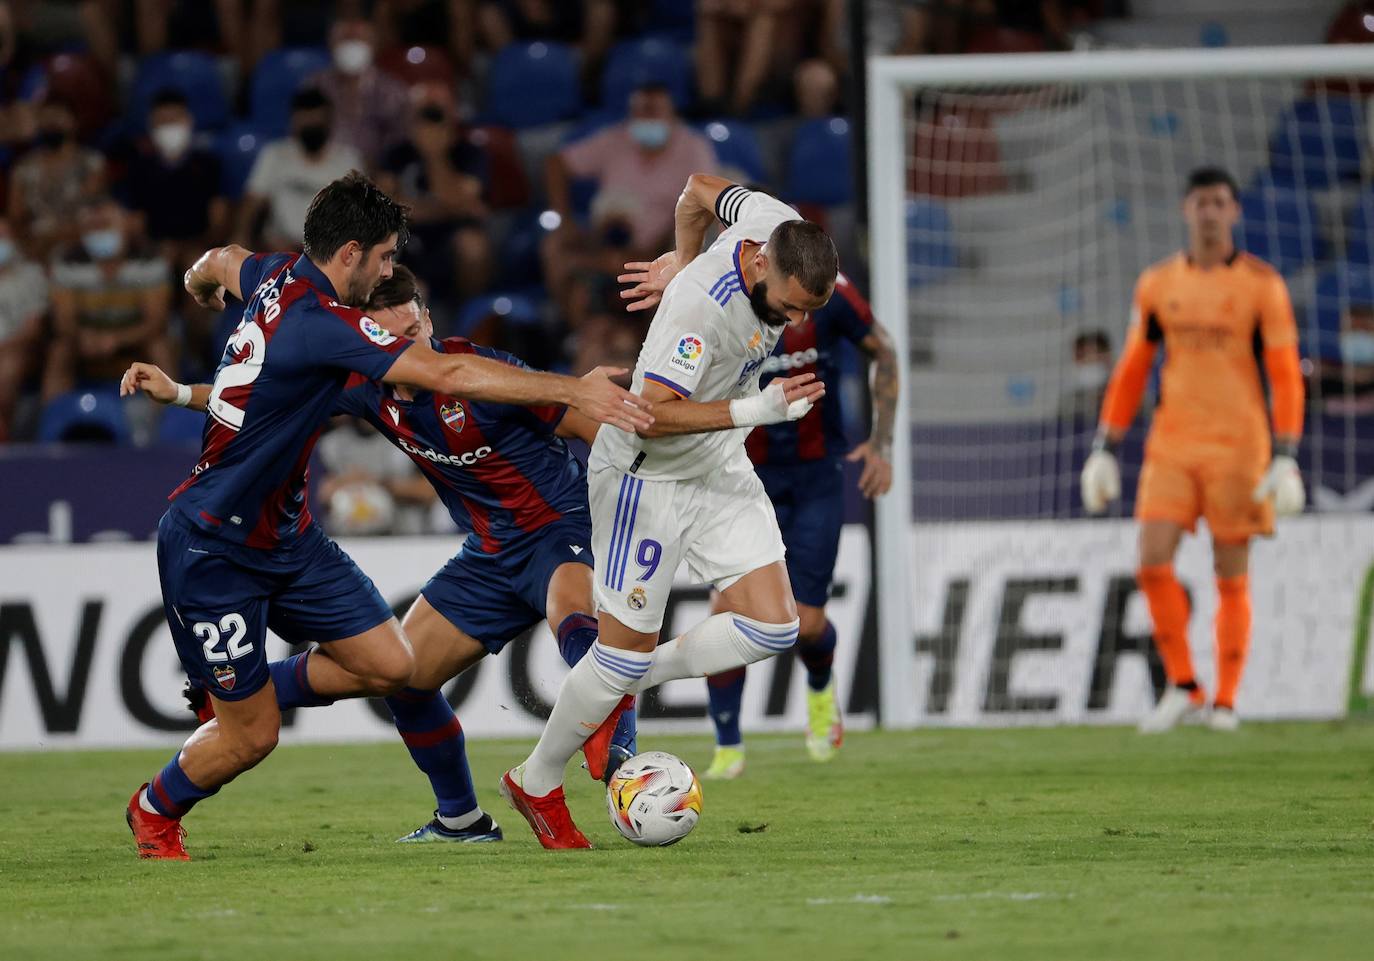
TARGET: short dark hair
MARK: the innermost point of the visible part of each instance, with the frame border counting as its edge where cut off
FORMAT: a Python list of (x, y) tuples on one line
[(352, 208), (168, 97), (801, 249), (399, 289), (1211, 177), (309, 98)]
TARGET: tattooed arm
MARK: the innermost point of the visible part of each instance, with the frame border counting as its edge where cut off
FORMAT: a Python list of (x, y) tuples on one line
[(876, 452)]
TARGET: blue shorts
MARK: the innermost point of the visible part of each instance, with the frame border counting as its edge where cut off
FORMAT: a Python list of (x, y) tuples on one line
[(221, 598), (809, 501), (494, 598)]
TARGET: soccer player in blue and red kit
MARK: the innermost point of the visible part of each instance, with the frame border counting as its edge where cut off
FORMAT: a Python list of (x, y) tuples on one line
[(238, 550), (505, 475), (799, 464)]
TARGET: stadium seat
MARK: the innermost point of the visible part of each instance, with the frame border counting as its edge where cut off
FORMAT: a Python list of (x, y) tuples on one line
[(237, 146), (673, 20), (84, 415), (1317, 143), (532, 84), (518, 252), (930, 249), (195, 74), (819, 164), (1359, 235), (1281, 225), (637, 62), (737, 148), (276, 78), (1338, 287), (180, 425)]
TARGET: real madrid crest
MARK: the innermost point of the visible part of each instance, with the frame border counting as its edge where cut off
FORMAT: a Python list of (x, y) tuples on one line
[(637, 599), (454, 415)]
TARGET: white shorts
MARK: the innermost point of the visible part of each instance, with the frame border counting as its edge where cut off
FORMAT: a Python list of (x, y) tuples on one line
[(722, 524)]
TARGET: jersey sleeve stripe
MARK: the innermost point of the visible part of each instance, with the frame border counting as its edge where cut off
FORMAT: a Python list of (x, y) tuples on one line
[(678, 389), (728, 203)]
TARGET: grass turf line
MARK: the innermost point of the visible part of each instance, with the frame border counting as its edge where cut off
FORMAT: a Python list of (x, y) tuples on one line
[(1015, 844)]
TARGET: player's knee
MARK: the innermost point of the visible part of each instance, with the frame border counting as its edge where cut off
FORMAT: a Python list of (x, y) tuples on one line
[(251, 744), (392, 673), (812, 624)]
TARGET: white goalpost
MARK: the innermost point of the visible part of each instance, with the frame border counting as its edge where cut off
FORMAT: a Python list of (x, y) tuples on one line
[(1013, 200)]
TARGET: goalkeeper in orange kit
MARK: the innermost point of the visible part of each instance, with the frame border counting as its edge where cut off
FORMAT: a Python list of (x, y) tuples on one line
[(1218, 314)]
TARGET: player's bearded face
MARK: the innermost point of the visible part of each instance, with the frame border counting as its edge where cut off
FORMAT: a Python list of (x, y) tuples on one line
[(758, 299)]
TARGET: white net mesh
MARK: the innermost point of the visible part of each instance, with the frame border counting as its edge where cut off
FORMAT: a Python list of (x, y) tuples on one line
[(1032, 209)]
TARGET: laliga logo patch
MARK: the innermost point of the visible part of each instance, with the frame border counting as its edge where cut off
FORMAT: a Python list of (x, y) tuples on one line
[(225, 677), (454, 416), (688, 354), (756, 340), (637, 599), (375, 332)]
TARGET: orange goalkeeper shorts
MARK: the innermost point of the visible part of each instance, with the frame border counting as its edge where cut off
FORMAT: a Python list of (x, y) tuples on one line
[(1222, 491)]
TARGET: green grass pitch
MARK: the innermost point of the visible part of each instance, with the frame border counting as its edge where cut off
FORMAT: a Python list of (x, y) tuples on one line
[(997, 845)]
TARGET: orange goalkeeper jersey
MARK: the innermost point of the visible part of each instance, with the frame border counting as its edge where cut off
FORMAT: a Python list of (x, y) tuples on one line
[(1216, 326)]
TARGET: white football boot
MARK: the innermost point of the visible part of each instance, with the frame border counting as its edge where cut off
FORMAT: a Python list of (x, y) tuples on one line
[(1223, 719), (1174, 705)]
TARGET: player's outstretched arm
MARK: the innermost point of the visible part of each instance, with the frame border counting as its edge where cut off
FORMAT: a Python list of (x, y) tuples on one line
[(481, 378), (154, 382), (876, 453), (216, 271), (782, 400)]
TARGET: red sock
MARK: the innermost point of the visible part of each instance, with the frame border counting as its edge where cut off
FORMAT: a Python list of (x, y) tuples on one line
[(1233, 635), (1169, 613)]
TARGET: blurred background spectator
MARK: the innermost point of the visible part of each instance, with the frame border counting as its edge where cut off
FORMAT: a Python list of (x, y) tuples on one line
[(369, 107), (290, 171), (1346, 386), (440, 175), (1087, 381), (371, 487), (23, 312), (50, 184), (110, 303), (636, 169)]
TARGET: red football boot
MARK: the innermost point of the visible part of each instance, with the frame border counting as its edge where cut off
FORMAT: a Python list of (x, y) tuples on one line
[(199, 702), (158, 838), (597, 748), (548, 816)]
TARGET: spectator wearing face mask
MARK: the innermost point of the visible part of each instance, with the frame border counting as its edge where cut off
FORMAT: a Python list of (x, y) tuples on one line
[(23, 310), (638, 166), (440, 176), (50, 184), (110, 303), (1347, 386), (174, 187), (370, 107), (1088, 375), (289, 172)]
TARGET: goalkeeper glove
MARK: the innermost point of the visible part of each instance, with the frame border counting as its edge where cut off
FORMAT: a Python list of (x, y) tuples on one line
[(1101, 478), (1283, 482)]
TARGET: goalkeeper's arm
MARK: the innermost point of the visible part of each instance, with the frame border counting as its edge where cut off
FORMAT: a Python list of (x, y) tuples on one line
[(1101, 480)]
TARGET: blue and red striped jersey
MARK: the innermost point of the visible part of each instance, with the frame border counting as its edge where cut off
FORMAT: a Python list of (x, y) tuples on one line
[(811, 347), (275, 388), (499, 468)]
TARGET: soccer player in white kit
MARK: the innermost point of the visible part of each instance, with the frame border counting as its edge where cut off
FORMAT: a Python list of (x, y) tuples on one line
[(685, 489)]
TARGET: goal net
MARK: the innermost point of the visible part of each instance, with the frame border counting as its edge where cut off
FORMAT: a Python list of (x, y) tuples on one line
[(1014, 200)]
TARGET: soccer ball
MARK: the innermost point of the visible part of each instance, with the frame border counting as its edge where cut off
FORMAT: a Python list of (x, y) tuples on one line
[(654, 799)]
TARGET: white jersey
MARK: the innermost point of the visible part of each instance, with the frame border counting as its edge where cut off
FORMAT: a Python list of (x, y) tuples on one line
[(705, 343)]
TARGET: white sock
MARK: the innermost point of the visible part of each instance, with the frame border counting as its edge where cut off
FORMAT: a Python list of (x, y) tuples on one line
[(722, 642), (147, 805), (589, 693), (462, 820)]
